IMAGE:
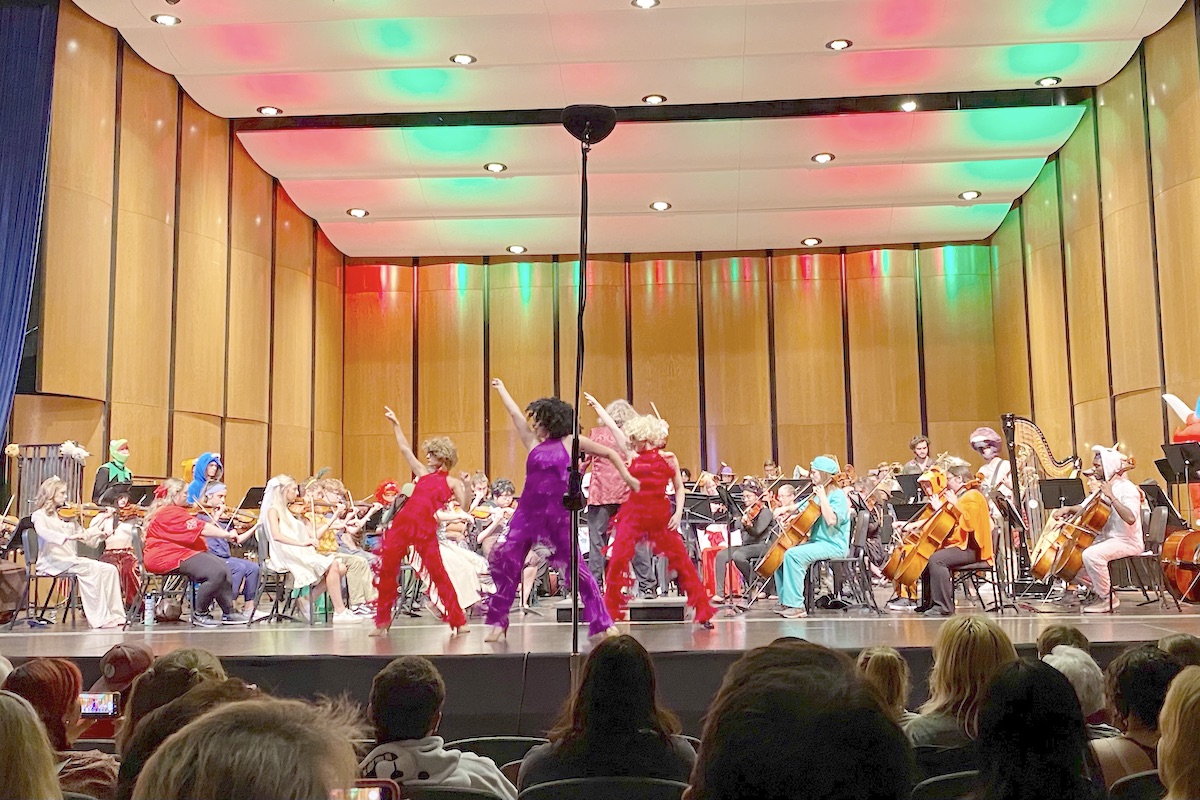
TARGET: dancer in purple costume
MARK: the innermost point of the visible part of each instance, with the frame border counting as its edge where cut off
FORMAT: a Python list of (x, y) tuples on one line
[(546, 429)]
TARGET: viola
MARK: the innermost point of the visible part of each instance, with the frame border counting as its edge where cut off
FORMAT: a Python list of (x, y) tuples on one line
[(1180, 560), (796, 532), (912, 555)]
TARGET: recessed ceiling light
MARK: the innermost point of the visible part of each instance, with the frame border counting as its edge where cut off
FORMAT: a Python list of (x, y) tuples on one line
[(908, 105), (811, 241), (516, 249), (839, 44), (166, 19), (660, 205), (644, 3), (654, 99), (357, 213), (495, 166), (463, 59), (1048, 81), (970, 194), (270, 111), (823, 158)]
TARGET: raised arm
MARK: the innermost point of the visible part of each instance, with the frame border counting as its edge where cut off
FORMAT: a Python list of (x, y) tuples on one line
[(586, 445), (414, 463), (610, 423), (515, 414)]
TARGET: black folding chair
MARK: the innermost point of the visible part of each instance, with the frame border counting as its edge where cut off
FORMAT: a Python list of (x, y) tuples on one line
[(500, 749), (606, 789), (1138, 786), (955, 786)]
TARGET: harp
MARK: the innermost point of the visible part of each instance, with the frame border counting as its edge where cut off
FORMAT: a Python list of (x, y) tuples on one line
[(1031, 460)]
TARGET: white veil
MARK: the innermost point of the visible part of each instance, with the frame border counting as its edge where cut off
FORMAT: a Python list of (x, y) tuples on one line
[(274, 498)]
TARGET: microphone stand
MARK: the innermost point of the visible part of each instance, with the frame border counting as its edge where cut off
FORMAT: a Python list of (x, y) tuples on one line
[(573, 499)]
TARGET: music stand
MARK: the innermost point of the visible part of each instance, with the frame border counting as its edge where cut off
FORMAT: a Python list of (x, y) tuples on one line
[(910, 486), (253, 498), (735, 507), (799, 484), (1184, 459), (697, 508), (141, 495), (1060, 492), (905, 512), (1157, 497)]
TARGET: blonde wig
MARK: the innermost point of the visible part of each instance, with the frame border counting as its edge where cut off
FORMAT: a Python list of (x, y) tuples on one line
[(1179, 745), (647, 430), (442, 450)]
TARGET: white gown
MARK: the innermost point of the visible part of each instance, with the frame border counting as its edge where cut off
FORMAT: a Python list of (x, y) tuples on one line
[(305, 563), (99, 583)]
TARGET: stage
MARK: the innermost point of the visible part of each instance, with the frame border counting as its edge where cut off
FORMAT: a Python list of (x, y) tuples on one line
[(517, 685)]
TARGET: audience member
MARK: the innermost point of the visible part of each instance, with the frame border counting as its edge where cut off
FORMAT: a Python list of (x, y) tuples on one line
[(405, 709), (262, 749), (1184, 646), (157, 726), (6, 667), (168, 678), (1088, 682), (119, 667), (613, 725), (52, 687), (1179, 745), (1032, 738), (1054, 635), (27, 763), (795, 720), (968, 651), (1135, 684), (886, 670)]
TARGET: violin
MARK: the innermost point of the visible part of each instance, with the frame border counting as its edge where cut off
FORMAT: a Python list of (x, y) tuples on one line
[(752, 512), (131, 511), (912, 555), (79, 511)]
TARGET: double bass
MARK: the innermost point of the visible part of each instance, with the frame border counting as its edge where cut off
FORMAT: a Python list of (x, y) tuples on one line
[(1180, 560), (912, 555)]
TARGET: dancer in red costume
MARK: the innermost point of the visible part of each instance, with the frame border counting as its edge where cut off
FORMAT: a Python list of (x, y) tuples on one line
[(647, 515), (1188, 432), (415, 525)]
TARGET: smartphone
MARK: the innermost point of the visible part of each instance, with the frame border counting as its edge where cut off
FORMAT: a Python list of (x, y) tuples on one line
[(369, 789), (100, 705)]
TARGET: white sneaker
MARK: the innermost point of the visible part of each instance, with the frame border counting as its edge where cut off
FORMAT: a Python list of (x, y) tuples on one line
[(346, 618), (901, 604), (1102, 606)]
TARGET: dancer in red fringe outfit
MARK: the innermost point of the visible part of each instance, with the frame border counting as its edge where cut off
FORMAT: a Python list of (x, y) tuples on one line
[(647, 515), (415, 524)]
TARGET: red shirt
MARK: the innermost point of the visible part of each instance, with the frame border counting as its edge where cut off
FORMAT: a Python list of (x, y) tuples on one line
[(607, 487), (173, 536)]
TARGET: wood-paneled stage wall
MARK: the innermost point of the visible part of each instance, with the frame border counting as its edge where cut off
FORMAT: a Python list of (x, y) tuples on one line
[(1095, 285), (156, 214), (748, 355)]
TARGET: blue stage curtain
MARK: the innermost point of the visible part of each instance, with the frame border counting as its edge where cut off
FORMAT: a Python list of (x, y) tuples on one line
[(27, 36)]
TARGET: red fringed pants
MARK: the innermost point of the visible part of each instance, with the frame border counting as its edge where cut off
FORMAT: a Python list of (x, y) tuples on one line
[(664, 541), (396, 541)]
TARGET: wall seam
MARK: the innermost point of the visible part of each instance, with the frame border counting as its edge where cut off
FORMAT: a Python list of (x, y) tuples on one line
[(1112, 398), (1025, 297), (846, 383), (271, 332), (487, 365), (922, 398), (773, 384), (112, 252), (1062, 251), (175, 276), (704, 465)]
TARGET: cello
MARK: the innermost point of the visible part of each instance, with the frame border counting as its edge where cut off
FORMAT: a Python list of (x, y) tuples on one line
[(1059, 551), (795, 533), (911, 556)]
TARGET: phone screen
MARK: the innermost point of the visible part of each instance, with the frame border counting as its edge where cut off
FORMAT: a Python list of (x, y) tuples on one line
[(100, 704), (368, 789)]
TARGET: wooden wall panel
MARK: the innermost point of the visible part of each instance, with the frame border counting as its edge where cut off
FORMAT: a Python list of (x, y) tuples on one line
[(292, 341), (327, 357), (960, 357), (1009, 321), (603, 328), (450, 357), (736, 368), (1047, 310), (521, 329), (885, 394), (141, 333), (327, 452), (49, 419), (665, 349), (245, 456), (249, 290), (77, 222), (1139, 421), (377, 371), (809, 358), (1086, 285), (203, 265), (195, 434)]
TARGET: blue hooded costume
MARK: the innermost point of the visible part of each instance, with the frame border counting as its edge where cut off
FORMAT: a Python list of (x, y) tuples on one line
[(198, 474)]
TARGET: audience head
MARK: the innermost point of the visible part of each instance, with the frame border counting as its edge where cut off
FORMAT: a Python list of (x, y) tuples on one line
[(52, 687), (1032, 736), (886, 670), (1184, 646), (1055, 635), (169, 677), (121, 665), (1136, 683), (1083, 673), (263, 749), (1179, 745), (157, 726), (27, 762), (406, 700), (794, 719), (617, 696), (6, 668), (968, 651)]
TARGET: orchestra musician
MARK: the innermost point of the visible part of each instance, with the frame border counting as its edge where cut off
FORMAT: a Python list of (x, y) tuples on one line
[(754, 525), (970, 541), (114, 476), (829, 538), (205, 469), (921, 461), (996, 473), (770, 471), (116, 527), (243, 574), (1121, 536)]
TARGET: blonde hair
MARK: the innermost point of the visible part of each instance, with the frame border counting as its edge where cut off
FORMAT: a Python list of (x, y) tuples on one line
[(621, 412), (886, 670), (45, 493), (441, 448), (269, 748), (174, 490), (27, 768), (969, 650), (1179, 745), (646, 429)]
